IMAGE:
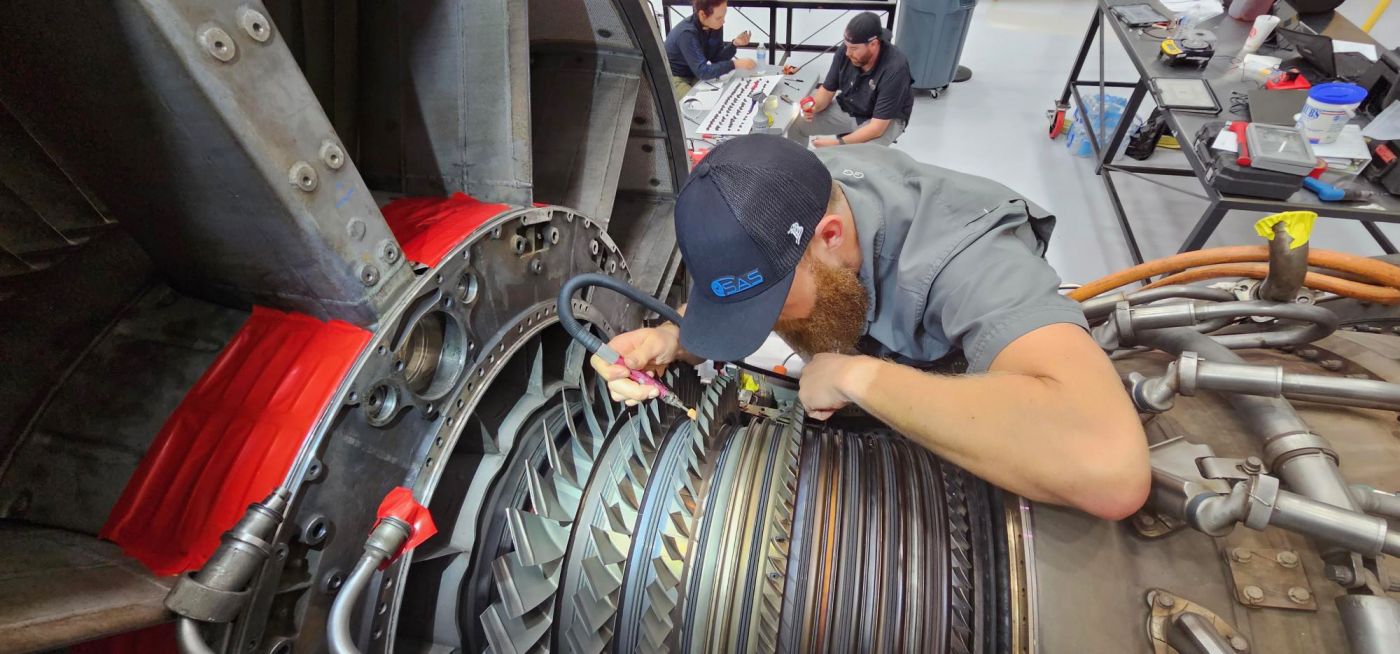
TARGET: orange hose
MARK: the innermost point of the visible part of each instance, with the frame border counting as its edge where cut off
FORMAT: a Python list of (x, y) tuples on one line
[(1318, 281), (1379, 271)]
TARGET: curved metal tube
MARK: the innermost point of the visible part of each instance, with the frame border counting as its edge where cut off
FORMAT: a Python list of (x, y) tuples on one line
[(189, 639), (1101, 307), (1311, 471), (338, 624), (1189, 373), (1288, 267), (1375, 501)]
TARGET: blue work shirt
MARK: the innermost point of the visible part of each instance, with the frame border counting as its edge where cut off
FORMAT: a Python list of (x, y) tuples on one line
[(697, 52)]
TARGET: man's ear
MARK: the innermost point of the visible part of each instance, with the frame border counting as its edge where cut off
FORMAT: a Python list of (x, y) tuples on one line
[(831, 234)]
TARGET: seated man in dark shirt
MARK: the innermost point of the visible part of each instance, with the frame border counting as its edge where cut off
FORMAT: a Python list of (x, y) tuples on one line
[(697, 49), (872, 86)]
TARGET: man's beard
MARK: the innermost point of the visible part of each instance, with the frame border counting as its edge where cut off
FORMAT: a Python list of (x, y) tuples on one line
[(838, 315)]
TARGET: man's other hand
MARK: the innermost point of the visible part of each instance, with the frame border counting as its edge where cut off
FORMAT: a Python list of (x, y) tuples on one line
[(745, 64), (824, 142), (650, 350), (823, 387), (789, 69), (743, 39)]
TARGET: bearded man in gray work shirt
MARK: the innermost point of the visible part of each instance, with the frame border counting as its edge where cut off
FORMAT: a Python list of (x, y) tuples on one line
[(869, 263)]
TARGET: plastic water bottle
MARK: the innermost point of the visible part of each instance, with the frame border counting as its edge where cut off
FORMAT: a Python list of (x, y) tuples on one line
[(762, 59)]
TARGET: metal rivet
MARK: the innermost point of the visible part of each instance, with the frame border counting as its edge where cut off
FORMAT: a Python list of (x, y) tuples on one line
[(332, 155), (1239, 644), (255, 24), (302, 176), (1241, 554), (1165, 601), (369, 275), (355, 228), (1253, 594), (1332, 364), (390, 253), (217, 43), (1299, 594), (1287, 559)]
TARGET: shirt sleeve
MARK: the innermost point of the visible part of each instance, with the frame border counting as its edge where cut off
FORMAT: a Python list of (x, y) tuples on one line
[(996, 291), (694, 52), (890, 91), (726, 51), (833, 74)]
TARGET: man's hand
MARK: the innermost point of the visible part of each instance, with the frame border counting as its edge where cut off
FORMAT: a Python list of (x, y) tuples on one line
[(649, 350), (789, 69), (825, 380), (743, 39), (824, 142), (745, 64)]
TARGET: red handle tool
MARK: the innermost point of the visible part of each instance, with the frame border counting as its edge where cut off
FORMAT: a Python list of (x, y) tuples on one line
[(1237, 127)]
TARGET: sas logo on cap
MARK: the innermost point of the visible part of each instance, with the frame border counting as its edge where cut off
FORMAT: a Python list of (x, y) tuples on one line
[(730, 284)]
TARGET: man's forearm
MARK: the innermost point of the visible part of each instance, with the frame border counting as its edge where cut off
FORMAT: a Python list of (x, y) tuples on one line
[(821, 99), (1026, 434), (871, 130)]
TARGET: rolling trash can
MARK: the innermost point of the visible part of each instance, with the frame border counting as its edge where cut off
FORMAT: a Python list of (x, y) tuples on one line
[(931, 34)]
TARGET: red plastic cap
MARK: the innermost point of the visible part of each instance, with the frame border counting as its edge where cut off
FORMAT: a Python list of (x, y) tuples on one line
[(399, 503)]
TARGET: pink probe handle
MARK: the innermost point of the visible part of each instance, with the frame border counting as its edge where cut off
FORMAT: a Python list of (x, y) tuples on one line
[(643, 378)]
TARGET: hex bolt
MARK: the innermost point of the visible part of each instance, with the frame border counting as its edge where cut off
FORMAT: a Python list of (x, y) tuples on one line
[(1299, 594), (332, 155), (1307, 353), (217, 43), (1253, 465), (1332, 364), (1165, 601), (369, 275), (1287, 559), (390, 253), (1242, 555), (1339, 574), (1239, 644), (254, 24), (1253, 594), (302, 176)]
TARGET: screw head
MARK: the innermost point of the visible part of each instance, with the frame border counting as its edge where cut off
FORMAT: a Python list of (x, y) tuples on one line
[(1242, 555), (302, 176), (1288, 559), (1239, 644), (332, 155), (369, 275), (254, 24), (1145, 521), (1299, 594), (217, 43), (390, 253), (1253, 465), (1253, 594)]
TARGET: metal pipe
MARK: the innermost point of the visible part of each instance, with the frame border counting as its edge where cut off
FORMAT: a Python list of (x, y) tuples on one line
[(189, 639), (1190, 373), (1288, 267), (1307, 468), (1376, 501), (383, 542), (1102, 306), (1320, 322), (1357, 532), (1192, 633), (1372, 623)]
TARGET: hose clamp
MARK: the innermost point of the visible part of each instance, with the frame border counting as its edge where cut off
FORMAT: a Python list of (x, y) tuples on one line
[(1279, 450)]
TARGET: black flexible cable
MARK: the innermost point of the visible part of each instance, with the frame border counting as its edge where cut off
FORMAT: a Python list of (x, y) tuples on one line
[(593, 343)]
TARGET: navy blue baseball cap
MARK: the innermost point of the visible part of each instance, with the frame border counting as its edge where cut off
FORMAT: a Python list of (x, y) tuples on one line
[(743, 220)]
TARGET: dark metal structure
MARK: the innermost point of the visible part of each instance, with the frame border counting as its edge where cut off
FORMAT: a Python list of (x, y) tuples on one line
[(167, 165)]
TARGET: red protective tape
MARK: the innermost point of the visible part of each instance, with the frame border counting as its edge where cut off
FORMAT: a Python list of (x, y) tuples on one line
[(233, 437), (428, 228), (399, 503)]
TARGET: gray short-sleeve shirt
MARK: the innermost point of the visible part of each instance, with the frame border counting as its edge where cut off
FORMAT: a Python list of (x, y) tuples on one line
[(950, 260)]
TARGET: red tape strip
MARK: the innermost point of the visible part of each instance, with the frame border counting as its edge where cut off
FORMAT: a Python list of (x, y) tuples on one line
[(399, 503)]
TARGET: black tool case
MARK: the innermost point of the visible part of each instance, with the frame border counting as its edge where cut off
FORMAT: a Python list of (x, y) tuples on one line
[(1228, 177)]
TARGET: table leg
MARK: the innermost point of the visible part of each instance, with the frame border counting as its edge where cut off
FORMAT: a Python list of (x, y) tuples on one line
[(1133, 250), (1084, 46), (1204, 227), (1125, 122), (787, 37), (772, 34), (1381, 238)]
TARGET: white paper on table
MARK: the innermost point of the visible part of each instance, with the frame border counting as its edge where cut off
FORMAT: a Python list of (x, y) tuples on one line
[(1367, 50), (1349, 145), (1386, 126), (1205, 9), (1226, 141)]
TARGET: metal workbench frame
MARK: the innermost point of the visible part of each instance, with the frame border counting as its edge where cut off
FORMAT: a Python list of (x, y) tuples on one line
[(1218, 204), (773, 6)]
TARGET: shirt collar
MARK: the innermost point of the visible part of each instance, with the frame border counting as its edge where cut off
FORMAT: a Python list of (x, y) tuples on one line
[(870, 231)]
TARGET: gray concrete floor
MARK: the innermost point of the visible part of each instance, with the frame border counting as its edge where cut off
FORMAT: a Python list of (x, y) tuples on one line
[(994, 125)]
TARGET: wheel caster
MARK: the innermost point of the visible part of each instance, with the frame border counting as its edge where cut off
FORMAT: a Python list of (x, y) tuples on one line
[(1058, 120)]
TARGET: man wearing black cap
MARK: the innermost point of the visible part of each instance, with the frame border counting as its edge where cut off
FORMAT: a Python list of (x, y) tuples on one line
[(876, 91), (872, 266)]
